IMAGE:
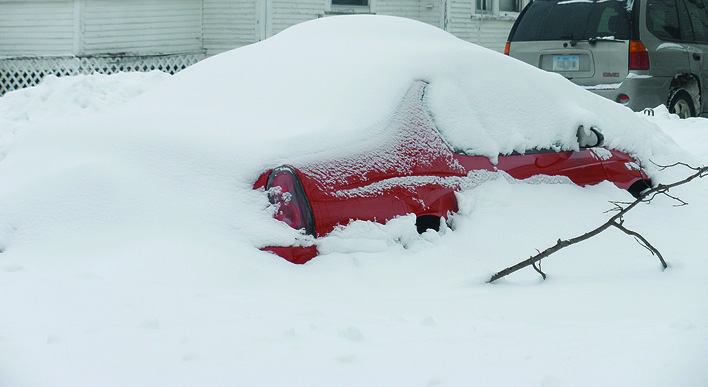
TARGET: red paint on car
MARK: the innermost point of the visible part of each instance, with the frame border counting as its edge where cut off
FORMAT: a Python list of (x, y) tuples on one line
[(413, 170)]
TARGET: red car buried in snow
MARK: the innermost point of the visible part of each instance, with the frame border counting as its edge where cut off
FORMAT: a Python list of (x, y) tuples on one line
[(413, 169)]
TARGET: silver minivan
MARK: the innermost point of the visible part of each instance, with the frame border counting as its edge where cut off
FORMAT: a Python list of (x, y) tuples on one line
[(641, 53)]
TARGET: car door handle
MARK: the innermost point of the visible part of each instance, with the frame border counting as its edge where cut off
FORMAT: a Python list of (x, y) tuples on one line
[(696, 56)]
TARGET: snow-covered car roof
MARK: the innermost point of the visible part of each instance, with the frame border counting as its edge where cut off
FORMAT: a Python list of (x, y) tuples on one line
[(337, 79)]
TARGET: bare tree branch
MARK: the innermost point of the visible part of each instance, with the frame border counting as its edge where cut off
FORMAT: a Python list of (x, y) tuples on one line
[(614, 221)]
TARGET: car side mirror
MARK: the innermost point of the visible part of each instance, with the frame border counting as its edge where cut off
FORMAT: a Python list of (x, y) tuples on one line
[(589, 138)]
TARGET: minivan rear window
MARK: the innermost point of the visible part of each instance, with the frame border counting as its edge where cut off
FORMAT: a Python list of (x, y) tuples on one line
[(574, 20)]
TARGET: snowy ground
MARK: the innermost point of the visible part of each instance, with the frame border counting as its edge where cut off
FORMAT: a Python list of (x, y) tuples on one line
[(116, 271)]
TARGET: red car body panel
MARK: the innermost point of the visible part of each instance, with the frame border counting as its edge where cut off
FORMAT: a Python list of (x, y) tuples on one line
[(294, 254), (413, 170)]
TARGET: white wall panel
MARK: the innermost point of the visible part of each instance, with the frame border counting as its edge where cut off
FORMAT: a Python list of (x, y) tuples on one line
[(427, 11), (490, 32), (141, 26), (230, 23), (36, 27), (147, 27), (287, 13)]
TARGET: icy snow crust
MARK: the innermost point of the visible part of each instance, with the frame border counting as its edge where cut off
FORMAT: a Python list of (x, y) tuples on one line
[(407, 146), (129, 228)]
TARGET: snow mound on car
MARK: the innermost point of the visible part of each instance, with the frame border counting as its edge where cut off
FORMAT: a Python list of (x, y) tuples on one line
[(334, 81), (185, 154)]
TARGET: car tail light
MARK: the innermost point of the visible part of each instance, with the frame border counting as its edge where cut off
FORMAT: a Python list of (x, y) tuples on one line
[(623, 99), (638, 56), (285, 191), (506, 48)]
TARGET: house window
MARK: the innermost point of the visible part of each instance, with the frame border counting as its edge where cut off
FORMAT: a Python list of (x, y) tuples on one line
[(509, 5), (483, 6), (497, 7), (345, 7), (362, 3)]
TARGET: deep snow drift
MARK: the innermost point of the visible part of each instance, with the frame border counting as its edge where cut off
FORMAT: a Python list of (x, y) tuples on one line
[(129, 228)]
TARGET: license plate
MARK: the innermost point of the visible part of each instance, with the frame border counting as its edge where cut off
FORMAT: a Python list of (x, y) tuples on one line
[(566, 63)]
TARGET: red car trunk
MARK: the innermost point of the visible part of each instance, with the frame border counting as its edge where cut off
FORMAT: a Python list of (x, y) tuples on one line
[(411, 169)]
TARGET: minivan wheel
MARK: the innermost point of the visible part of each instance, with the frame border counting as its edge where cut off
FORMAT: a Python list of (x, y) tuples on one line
[(681, 103)]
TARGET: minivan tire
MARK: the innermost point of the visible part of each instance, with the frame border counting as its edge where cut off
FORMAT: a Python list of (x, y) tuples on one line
[(681, 103)]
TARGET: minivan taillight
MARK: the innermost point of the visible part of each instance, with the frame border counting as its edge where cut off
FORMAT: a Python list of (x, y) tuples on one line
[(285, 191), (506, 48), (638, 56)]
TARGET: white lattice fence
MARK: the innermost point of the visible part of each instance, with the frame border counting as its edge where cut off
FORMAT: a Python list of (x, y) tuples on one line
[(17, 73)]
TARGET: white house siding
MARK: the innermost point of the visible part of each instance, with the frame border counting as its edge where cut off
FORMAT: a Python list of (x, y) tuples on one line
[(229, 24), (141, 26), (144, 27), (487, 31), (490, 33), (427, 11), (64, 37), (287, 13), (29, 28)]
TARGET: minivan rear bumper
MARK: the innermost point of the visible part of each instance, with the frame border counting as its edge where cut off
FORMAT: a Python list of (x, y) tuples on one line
[(644, 91)]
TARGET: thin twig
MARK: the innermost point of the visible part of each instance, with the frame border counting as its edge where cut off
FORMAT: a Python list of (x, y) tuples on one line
[(678, 163), (644, 243), (538, 269)]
